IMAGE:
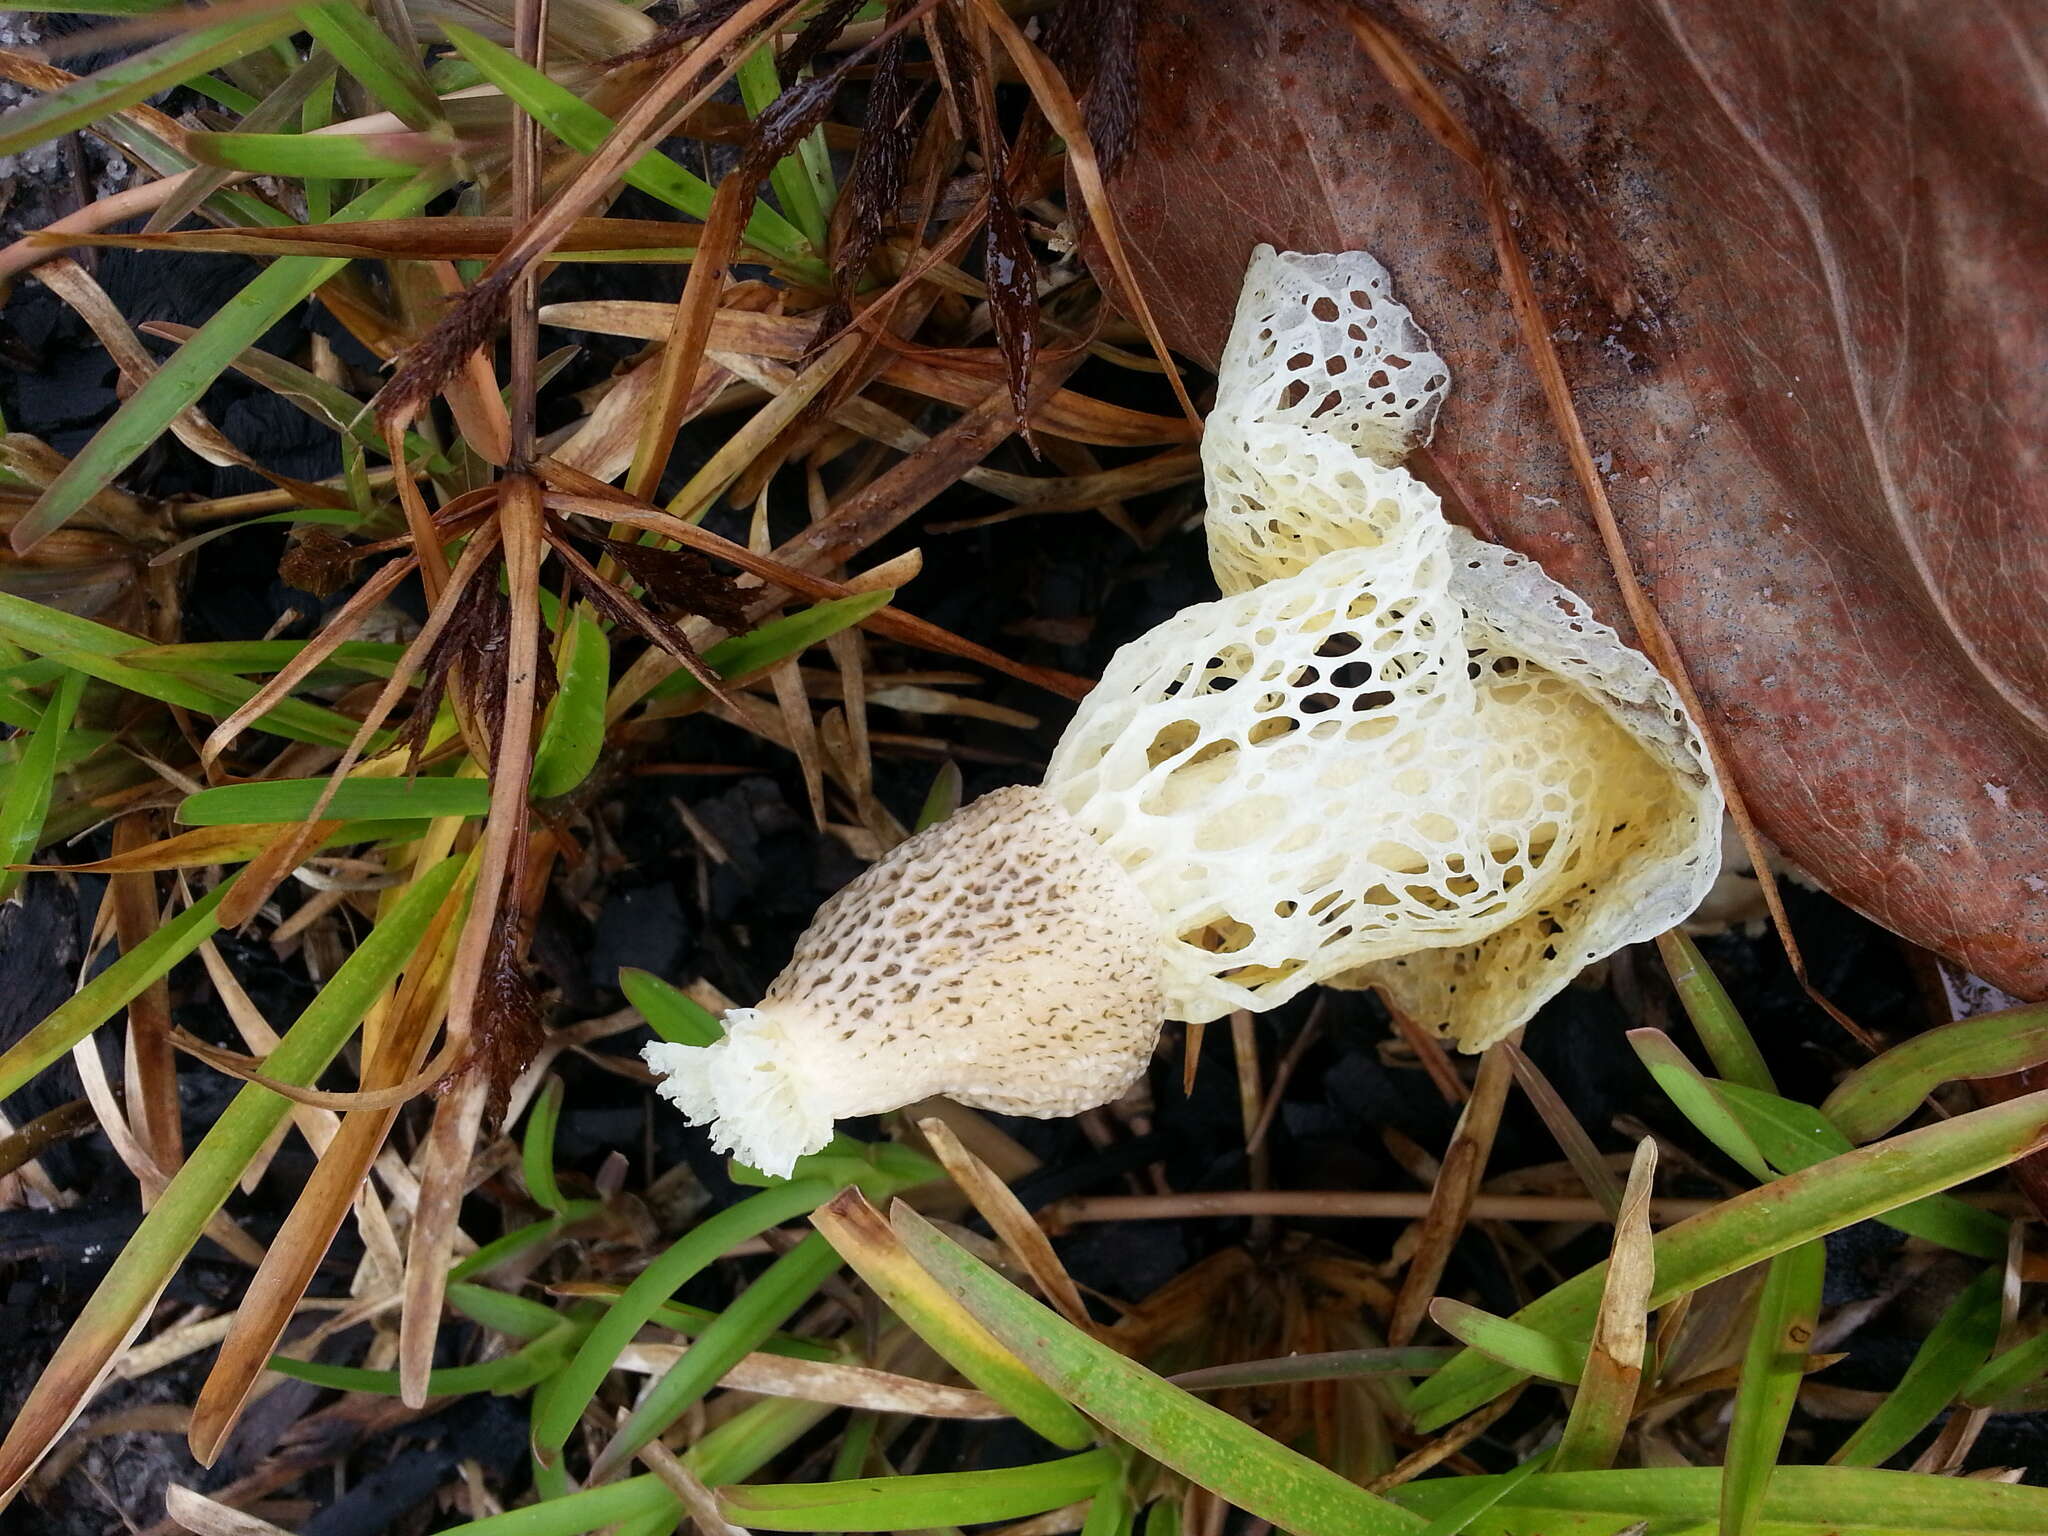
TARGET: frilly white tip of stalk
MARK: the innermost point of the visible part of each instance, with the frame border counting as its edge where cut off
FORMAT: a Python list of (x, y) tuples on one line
[(750, 1089)]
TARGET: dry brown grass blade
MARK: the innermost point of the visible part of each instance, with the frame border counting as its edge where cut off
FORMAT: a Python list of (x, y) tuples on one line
[(689, 332), (202, 1516), (1571, 1136), (1012, 1224), (826, 1381), (956, 377), (309, 1228), (136, 1158), (1402, 72), (1034, 494), (792, 697), (1344, 1204), (32, 250), (1451, 1442), (472, 390), (317, 1126), (249, 1069), (1606, 1396), (459, 1115), (287, 1269), (849, 654), (419, 519), (1457, 1183), (447, 237), (69, 281), (152, 1097), (345, 621), (1058, 105), (802, 726), (451, 1142), (268, 870), (894, 496), (200, 848), (700, 1504), (739, 452), (580, 494)]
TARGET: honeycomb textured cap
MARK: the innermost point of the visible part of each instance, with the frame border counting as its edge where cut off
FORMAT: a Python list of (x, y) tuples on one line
[(1394, 755), (1643, 843), (1326, 384), (1000, 958)]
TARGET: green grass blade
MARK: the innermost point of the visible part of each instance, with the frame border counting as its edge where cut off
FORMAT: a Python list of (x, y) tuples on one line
[(390, 73), (1527, 1350), (637, 1499), (675, 1016), (329, 404), (1787, 1311), (760, 82), (509, 1374), (29, 781), (516, 1242), (122, 1303), (1696, 1099), (515, 1316), (537, 1148), (919, 1502), (1880, 1094), (776, 641), (1947, 1358), (559, 1406), (1459, 1516), (187, 374), (1730, 1046), (110, 991), (1110, 1511), (285, 800), (573, 737), (332, 155), (1795, 1136), (1760, 1223), (1803, 1501), (942, 799), (907, 1289), (1202, 1443), (583, 128), (2007, 1373), (371, 658), (787, 1284), (137, 78), (99, 652)]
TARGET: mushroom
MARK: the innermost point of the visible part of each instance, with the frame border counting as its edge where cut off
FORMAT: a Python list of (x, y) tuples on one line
[(1391, 755)]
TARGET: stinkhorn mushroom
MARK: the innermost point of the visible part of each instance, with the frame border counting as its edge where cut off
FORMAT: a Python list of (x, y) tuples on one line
[(1391, 755)]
